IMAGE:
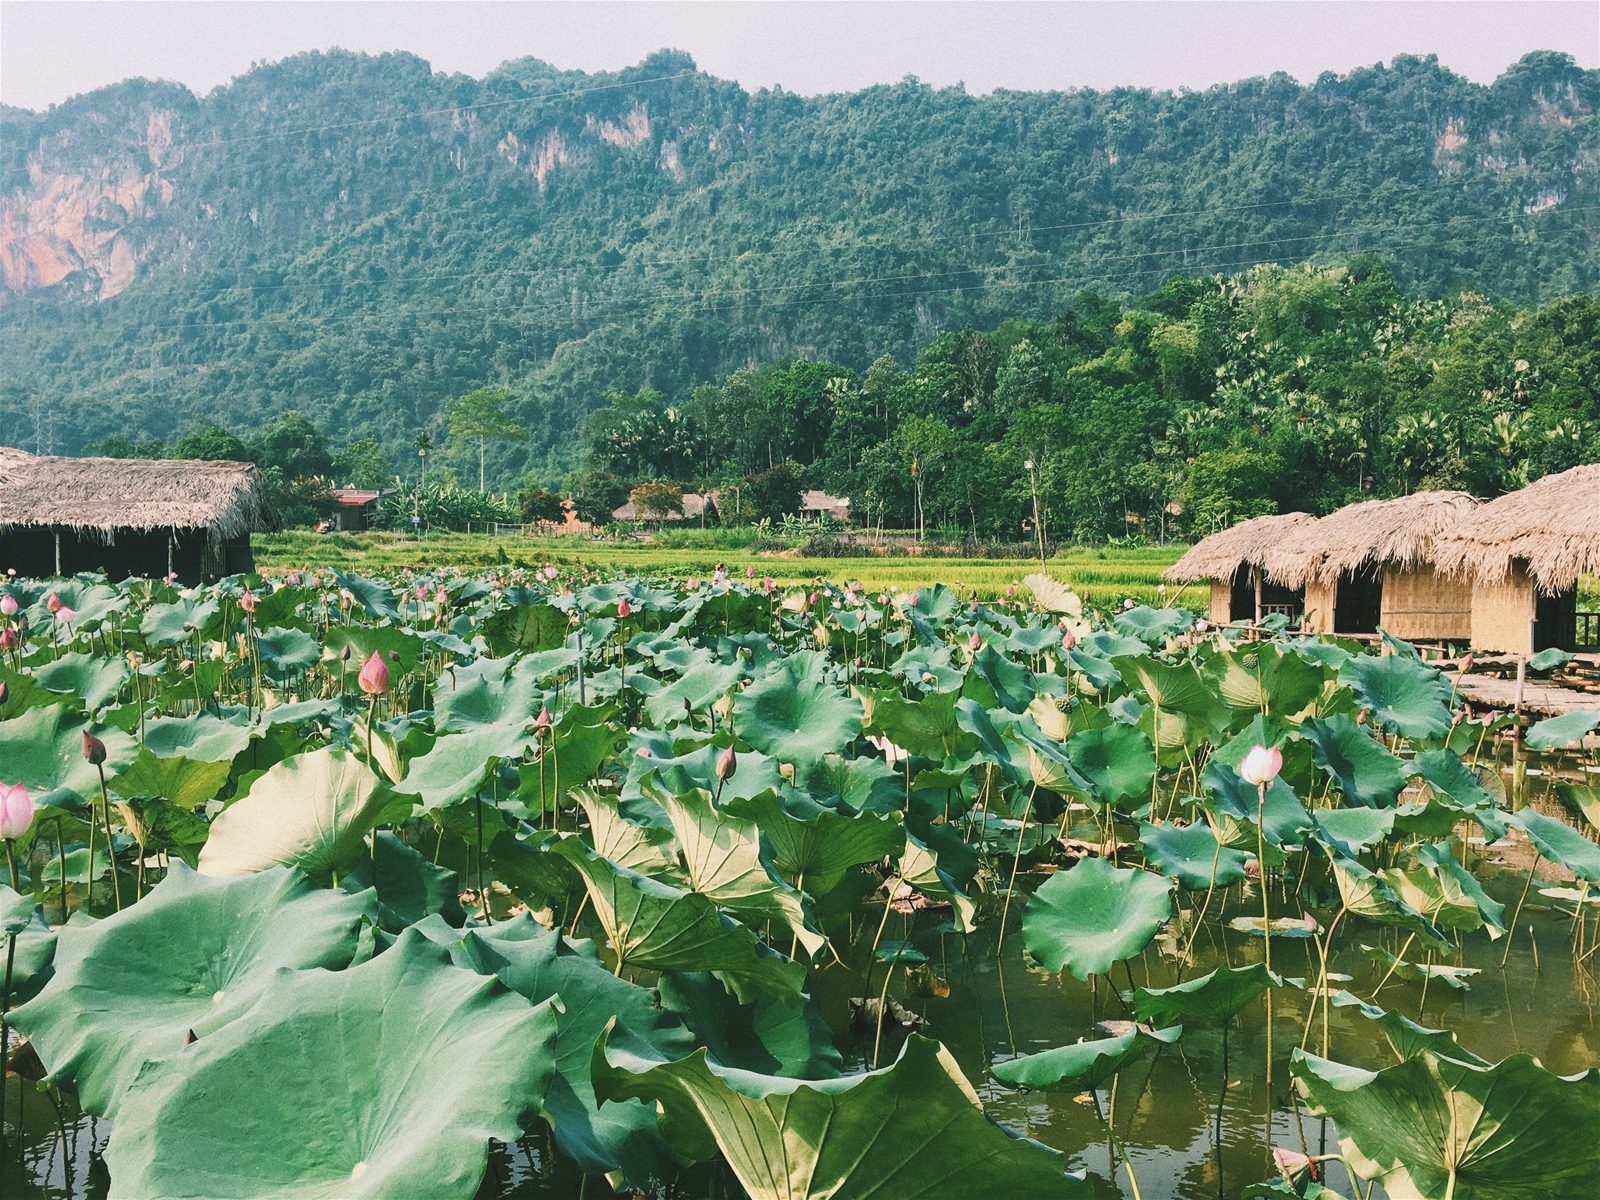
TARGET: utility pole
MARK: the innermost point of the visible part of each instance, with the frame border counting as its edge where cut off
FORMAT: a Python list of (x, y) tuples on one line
[(1038, 526)]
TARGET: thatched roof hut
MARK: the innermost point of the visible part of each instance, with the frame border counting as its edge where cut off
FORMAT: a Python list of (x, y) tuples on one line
[(1371, 564), (1234, 560), (128, 516), (1522, 555)]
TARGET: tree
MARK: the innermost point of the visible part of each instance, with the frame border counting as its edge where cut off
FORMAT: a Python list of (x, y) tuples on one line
[(657, 499), (772, 494), (206, 441), (596, 496), (480, 416), (363, 464), (538, 505)]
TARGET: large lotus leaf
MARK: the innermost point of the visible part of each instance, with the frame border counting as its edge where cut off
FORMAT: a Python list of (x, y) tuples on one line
[(660, 928), (193, 954), (1236, 805), (1153, 626), (93, 602), (1367, 895), (1406, 1037), (1084, 1066), (1438, 895), (857, 783), (573, 756), (1560, 842), (765, 1035), (1263, 678), (701, 685), (796, 720), (536, 876), (398, 647), (723, 858), (1049, 766), (653, 752), (159, 825), (403, 1068), (282, 607), (178, 779), (1452, 780), (649, 847), (1569, 729), (1352, 830), (1364, 771), (460, 763), (287, 652), (408, 886), (1299, 771), (1052, 595), (1086, 918), (539, 963), (377, 600), (992, 679), (31, 962), (927, 726), (915, 1130), (1432, 1127), (1402, 694), (310, 811), (1192, 855), (1174, 689), (202, 738), (1461, 882), (490, 692), (1217, 996), (937, 867), (1117, 761), (42, 747), (93, 678), (392, 745), (814, 846), (526, 627), (1100, 672), (168, 624)]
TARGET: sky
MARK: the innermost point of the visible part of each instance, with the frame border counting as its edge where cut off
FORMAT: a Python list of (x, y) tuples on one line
[(53, 49)]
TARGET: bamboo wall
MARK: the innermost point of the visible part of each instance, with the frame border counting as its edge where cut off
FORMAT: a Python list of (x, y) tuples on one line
[(1502, 614), (1421, 604), (1320, 598), (1221, 601)]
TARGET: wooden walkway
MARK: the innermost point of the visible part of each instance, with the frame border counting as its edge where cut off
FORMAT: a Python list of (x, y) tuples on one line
[(1485, 692)]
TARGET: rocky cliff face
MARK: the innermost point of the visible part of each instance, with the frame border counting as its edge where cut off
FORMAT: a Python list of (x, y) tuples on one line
[(76, 222)]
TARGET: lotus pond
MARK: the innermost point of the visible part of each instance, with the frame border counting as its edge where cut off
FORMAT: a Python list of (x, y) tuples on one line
[(537, 884)]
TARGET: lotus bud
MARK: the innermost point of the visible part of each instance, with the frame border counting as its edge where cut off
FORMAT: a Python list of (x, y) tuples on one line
[(750, 572), (189, 1038), (8, 639), (545, 720), (1261, 766), (1202, 625), (1361, 717), (344, 655), (8, 605), (16, 811), (187, 664), (1069, 640), (687, 707), (248, 601), (1466, 663), (1289, 1162), (442, 598), (624, 609), (727, 764), (374, 677), (786, 770), (975, 642), (1127, 604), (54, 603), (66, 615), (1011, 591), (93, 749), (394, 656), (769, 583)]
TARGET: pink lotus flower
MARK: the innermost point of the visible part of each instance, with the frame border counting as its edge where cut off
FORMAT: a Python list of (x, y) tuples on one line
[(374, 677), (545, 720), (54, 603), (727, 764), (975, 642), (8, 605), (16, 811), (248, 601), (1261, 766), (624, 609), (8, 639), (65, 615), (750, 572), (1069, 640)]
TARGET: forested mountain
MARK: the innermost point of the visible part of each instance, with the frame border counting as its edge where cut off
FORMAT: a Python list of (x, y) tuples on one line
[(360, 239)]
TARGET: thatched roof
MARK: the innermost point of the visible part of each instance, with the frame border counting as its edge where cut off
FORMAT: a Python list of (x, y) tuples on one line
[(1552, 524), (1249, 542), (1374, 533), (104, 495)]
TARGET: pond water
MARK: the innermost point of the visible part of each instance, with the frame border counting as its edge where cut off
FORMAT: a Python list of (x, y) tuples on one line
[(1193, 1129)]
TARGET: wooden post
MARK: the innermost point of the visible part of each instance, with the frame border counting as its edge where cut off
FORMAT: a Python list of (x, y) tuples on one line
[(1255, 573), (58, 553)]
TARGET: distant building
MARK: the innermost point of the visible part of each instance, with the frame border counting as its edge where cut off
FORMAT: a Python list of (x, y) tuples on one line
[(816, 504), (357, 507), (695, 506), (129, 516)]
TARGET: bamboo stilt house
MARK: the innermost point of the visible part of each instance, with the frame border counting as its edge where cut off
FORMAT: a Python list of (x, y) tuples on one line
[(1233, 561), (146, 517), (1370, 564), (1522, 555)]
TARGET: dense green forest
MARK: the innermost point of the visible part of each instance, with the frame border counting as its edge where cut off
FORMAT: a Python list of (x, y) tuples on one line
[(360, 239)]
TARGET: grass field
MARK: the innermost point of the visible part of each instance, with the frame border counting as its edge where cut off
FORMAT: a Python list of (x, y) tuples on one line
[(1102, 576)]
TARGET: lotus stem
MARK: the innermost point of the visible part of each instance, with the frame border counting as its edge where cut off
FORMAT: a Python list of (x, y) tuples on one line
[(1511, 933), (5, 1045), (111, 846), (1016, 863), (1111, 1136), (883, 1000), (1393, 966), (11, 861)]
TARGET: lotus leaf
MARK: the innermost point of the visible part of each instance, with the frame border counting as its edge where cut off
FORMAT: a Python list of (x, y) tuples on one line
[(408, 886), (814, 846), (1406, 1037), (1083, 1066), (1218, 996), (651, 849), (927, 727), (193, 954), (92, 678), (764, 1035), (42, 747), (1364, 771), (168, 624), (1117, 761), (460, 764), (1153, 626), (858, 784), (32, 961), (1431, 1126), (1265, 679), (660, 928), (487, 693), (842, 1139), (796, 720), (1569, 729), (994, 679), (1367, 895), (403, 1068), (376, 599), (1192, 855), (1404, 695), (573, 755), (1352, 830), (931, 867), (311, 811), (202, 738), (1560, 842), (1086, 918), (1236, 806), (177, 779), (701, 685)]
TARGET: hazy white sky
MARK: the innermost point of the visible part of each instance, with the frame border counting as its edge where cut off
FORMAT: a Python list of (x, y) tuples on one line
[(53, 49)]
